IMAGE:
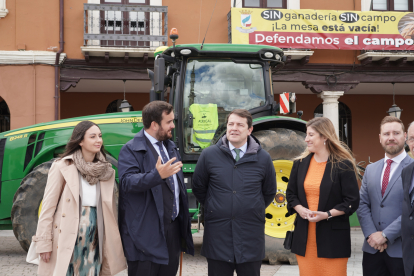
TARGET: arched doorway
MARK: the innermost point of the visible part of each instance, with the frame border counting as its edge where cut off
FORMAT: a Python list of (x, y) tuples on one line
[(4, 116), (114, 107), (345, 122)]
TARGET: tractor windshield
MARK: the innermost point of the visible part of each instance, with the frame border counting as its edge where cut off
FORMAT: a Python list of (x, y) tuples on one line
[(212, 89)]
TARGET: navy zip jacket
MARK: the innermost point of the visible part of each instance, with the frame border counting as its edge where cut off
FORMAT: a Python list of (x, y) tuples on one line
[(141, 208), (235, 196)]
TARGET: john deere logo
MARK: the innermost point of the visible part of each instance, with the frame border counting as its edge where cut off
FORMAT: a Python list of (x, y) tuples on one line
[(204, 116)]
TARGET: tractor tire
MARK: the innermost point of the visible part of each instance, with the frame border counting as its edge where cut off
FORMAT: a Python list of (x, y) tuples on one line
[(283, 145), (27, 199), (26, 202)]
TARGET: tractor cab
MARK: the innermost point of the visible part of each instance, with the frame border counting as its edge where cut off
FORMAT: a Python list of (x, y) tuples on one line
[(206, 82)]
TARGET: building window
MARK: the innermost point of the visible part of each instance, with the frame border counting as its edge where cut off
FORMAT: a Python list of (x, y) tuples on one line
[(392, 5), (118, 22), (345, 122), (273, 4)]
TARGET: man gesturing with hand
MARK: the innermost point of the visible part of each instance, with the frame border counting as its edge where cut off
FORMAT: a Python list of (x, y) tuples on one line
[(153, 208)]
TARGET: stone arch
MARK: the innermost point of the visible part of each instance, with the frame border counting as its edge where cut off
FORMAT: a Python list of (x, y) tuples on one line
[(114, 106)]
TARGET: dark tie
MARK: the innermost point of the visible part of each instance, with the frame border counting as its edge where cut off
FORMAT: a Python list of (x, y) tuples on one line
[(170, 180), (386, 177), (411, 196), (237, 151)]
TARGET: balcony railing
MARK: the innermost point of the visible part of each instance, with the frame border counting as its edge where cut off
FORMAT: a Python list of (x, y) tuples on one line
[(136, 26)]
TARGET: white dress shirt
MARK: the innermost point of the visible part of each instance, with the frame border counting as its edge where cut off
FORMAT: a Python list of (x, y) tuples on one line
[(88, 193), (395, 163), (176, 187), (242, 150)]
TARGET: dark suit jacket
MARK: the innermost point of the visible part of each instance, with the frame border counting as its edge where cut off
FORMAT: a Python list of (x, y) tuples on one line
[(338, 190), (141, 207), (407, 221)]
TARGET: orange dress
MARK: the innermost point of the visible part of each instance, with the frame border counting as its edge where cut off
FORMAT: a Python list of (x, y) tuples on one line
[(311, 265)]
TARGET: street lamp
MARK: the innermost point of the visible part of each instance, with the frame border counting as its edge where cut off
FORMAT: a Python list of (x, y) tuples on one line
[(394, 110), (125, 106)]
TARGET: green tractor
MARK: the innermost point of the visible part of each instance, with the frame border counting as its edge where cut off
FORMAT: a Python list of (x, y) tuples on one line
[(204, 83)]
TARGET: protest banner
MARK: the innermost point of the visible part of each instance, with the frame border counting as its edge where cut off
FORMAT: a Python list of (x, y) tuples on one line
[(323, 29)]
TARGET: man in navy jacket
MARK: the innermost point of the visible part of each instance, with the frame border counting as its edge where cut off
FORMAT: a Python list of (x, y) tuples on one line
[(235, 181), (154, 221)]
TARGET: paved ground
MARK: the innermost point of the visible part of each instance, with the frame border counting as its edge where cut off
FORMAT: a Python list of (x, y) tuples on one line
[(12, 259), (354, 263)]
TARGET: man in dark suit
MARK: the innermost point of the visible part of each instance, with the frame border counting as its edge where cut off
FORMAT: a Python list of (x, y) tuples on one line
[(154, 220), (407, 217), (379, 211)]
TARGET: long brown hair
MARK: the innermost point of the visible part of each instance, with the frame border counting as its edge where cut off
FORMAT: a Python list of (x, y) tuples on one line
[(338, 151), (78, 135)]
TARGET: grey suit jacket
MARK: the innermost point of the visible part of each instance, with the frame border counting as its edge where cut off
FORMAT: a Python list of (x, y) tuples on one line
[(377, 213), (407, 221)]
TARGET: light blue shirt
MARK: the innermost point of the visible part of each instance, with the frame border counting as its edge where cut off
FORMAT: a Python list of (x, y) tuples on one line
[(242, 150), (176, 187)]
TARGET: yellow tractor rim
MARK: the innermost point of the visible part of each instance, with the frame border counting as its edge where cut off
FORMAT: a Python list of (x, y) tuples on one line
[(40, 208), (276, 222)]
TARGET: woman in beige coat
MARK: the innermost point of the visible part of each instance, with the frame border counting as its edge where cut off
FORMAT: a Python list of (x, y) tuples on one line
[(77, 232)]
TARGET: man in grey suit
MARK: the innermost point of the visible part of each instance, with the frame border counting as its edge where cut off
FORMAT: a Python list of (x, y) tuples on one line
[(380, 207), (407, 217)]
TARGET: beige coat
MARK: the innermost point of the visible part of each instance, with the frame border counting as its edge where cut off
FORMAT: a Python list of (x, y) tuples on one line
[(58, 224)]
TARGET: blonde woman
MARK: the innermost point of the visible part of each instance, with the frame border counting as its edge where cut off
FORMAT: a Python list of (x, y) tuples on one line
[(77, 232), (323, 192)]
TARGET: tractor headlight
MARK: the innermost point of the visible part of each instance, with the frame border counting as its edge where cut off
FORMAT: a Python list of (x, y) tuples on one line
[(277, 57), (268, 54)]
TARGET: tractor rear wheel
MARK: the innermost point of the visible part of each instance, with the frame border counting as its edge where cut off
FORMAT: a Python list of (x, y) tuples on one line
[(27, 202), (283, 145)]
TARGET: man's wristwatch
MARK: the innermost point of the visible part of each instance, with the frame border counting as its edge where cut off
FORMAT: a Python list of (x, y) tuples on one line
[(329, 215), (385, 236)]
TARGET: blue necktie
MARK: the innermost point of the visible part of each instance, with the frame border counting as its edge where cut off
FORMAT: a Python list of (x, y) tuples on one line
[(170, 180)]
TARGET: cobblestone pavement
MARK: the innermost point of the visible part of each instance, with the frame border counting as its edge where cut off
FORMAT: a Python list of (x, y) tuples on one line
[(13, 259)]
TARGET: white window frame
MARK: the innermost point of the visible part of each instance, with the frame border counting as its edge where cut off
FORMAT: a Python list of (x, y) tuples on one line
[(366, 5), (291, 4), (3, 10)]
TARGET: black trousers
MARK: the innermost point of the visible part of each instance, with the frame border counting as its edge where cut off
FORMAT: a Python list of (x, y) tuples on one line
[(221, 268), (147, 268), (380, 264)]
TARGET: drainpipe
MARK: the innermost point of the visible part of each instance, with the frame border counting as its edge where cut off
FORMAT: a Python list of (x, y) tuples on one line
[(61, 42)]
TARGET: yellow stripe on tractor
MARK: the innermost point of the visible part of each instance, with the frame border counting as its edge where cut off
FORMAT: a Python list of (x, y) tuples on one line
[(72, 124)]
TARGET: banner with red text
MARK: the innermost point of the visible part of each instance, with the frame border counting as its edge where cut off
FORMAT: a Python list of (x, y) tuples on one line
[(323, 29)]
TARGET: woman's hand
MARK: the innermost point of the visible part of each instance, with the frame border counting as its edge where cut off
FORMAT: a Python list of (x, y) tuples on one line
[(302, 211), (316, 216), (45, 256)]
